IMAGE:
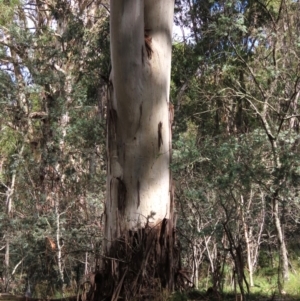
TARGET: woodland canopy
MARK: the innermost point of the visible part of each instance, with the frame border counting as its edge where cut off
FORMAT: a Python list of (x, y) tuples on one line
[(235, 92)]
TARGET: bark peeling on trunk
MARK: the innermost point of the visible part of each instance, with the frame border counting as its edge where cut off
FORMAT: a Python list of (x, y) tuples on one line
[(139, 246), (139, 265)]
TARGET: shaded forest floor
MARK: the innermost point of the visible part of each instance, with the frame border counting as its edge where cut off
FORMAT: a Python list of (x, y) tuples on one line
[(192, 295), (198, 295)]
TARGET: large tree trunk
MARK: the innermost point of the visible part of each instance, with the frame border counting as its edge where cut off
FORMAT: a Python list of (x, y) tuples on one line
[(139, 139), (139, 243)]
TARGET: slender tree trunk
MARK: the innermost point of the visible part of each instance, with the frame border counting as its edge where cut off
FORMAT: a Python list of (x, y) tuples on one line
[(196, 261), (9, 202), (283, 255), (247, 241), (59, 244), (6, 267), (284, 264), (139, 231)]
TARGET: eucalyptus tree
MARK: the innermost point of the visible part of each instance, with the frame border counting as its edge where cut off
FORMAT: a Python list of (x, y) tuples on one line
[(139, 246)]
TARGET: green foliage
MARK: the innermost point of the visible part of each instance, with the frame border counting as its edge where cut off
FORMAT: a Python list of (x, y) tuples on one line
[(51, 139), (9, 141), (178, 296), (234, 146), (7, 11)]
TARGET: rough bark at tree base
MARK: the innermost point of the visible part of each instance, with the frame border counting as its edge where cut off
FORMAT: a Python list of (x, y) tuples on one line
[(140, 266)]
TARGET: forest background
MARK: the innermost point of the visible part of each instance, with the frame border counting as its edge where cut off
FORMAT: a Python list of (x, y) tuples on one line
[(235, 90)]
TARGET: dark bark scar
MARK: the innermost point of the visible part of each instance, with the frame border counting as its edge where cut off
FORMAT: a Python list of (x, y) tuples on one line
[(138, 194), (159, 132), (141, 113), (162, 236), (148, 43), (122, 191)]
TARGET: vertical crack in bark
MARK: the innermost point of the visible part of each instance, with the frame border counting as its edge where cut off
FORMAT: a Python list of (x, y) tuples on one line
[(159, 131), (113, 121), (141, 113), (122, 191), (142, 53), (138, 194), (140, 119)]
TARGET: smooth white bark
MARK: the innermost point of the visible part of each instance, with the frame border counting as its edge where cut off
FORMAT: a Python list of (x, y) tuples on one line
[(247, 241), (139, 135)]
